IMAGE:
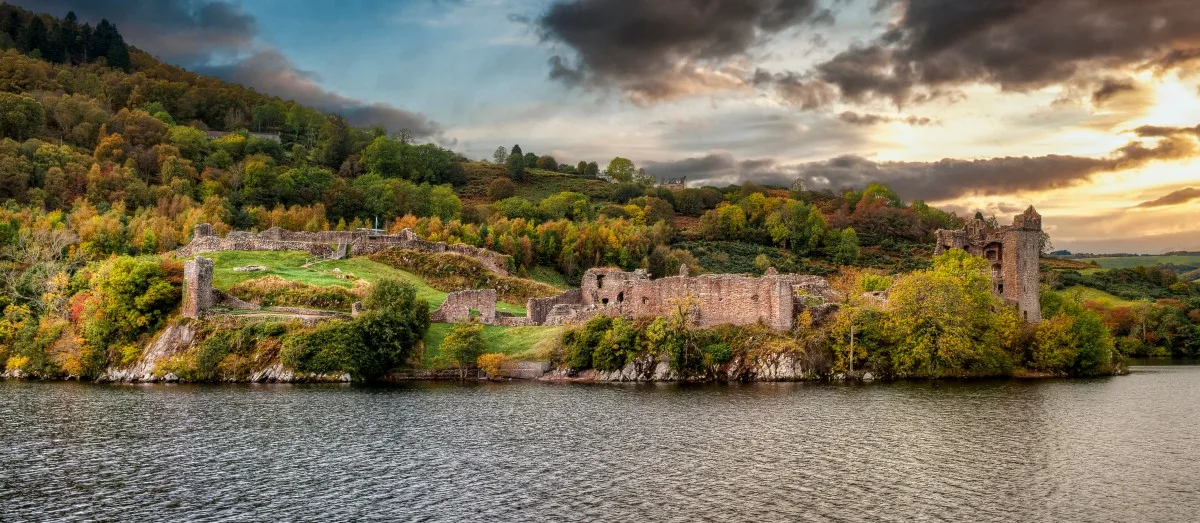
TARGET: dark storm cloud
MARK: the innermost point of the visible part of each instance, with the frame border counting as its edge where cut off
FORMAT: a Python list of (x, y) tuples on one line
[(933, 181), (1016, 44), (271, 72), (655, 49), (197, 33), (1179, 197)]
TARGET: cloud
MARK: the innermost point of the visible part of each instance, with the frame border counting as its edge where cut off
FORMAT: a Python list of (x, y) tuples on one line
[(200, 33), (1018, 45), (1179, 197), (1111, 87), (933, 181), (270, 71), (867, 119), (660, 50)]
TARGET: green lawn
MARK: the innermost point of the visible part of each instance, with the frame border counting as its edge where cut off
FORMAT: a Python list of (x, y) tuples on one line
[(1087, 294), (1129, 262), (288, 265), (505, 340)]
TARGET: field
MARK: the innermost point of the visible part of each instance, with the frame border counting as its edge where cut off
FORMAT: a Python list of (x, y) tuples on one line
[(288, 265), (505, 340), (1129, 262), (1086, 294)]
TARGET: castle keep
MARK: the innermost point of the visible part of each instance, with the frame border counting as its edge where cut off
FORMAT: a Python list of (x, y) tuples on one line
[(1014, 252)]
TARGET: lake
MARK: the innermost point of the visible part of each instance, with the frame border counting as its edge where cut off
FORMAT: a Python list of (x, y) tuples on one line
[(1106, 449)]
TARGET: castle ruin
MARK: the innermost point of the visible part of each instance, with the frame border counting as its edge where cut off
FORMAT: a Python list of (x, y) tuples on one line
[(332, 244), (1014, 252), (714, 299)]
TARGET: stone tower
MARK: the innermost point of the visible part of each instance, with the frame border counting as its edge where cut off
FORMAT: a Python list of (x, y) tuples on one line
[(197, 287), (1014, 253)]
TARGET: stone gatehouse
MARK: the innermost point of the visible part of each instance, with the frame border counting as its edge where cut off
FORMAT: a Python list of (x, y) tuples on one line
[(1014, 253), (332, 244)]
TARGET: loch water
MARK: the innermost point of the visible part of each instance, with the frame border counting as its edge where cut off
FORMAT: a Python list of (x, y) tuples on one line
[(1104, 449)]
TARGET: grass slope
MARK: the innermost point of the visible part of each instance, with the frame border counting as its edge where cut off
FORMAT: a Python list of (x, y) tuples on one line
[(287, 265), (1129, 262), (538, 183), (504, 340), (1086, 294)]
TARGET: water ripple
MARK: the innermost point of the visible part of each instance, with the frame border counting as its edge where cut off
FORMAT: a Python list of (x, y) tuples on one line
[(1118, 449)]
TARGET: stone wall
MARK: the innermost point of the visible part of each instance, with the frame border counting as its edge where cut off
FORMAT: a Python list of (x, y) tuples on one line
[(718, 299), (458, 305), (197, 287), (539, 308), (331, 243)]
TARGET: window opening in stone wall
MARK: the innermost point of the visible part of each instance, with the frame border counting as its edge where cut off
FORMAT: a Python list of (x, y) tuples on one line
[(620, 297), (645, 300), (604, 301), (600, 281)]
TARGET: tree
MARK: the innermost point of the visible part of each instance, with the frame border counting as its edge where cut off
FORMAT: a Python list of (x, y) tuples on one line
[(463, 346), (21, 117), (531, 160), (845, 250), (547, 162), (581, 169), (516, 165), (500, 155), (944, 321), (393, 322), (621, 170), (386, 157), (592, 170), (337, 141)]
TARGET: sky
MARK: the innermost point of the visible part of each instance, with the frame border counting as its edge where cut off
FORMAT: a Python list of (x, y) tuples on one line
[(1087, 109)]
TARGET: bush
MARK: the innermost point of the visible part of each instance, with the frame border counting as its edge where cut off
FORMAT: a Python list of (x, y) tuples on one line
[(491, 363), (617, 347), (273, 291), (385, 336), (501, 189), (579, 344)]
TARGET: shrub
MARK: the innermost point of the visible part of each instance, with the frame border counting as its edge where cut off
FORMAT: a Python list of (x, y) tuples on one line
[(273, 291), (491, 363), (617, 346), (383, 337), (500, 189), (579, 344)]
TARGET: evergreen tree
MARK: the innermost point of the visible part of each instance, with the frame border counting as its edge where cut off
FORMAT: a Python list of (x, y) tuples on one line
[(516, 164), (34, 37)]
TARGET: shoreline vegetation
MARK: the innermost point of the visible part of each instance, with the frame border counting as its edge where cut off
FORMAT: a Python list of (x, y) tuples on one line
[(109, 159)]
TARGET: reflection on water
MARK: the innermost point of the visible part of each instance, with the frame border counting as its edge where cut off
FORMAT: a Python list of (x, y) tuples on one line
[(1111, 449)]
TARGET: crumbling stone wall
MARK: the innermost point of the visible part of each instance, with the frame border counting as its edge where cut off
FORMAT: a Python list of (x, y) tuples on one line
[(1013, 253), (539, 308), (718, 299), (326, 243), (197, 287), (458, 305)]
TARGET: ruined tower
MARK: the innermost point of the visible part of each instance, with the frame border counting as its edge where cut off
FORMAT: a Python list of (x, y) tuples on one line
[(1014, 252), (197, 287)]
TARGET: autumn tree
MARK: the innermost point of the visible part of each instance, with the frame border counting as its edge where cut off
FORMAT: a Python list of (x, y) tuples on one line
[(463, 346), (620, 169)]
